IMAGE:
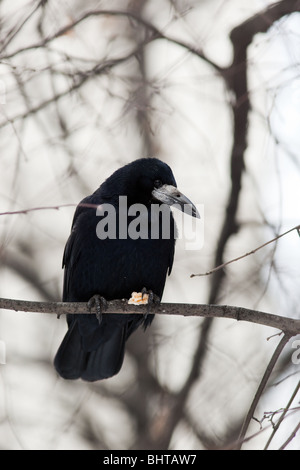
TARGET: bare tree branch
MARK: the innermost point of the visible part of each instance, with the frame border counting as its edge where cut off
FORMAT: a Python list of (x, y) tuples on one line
[(12, 34), (291, 437), (283, 414), (221, 266), (290, 326), (131, 15), (79, 80), (262, 386), (236, 80)]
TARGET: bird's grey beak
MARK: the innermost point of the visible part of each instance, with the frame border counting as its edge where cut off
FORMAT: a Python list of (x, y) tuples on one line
[(170, 195)]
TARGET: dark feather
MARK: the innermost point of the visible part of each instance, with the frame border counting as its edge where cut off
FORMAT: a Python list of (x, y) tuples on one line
[(112, 268)]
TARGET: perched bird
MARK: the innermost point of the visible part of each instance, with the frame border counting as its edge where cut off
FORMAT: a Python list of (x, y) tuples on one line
[(111, 257)]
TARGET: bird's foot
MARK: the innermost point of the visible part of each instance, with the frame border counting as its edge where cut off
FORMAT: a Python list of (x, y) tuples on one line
[(100, 303), (153, 300)]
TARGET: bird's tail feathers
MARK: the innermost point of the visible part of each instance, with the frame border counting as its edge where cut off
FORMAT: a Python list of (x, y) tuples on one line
[(72, 361)]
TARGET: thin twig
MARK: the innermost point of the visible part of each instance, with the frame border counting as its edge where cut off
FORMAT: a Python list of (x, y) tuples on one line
[(13, 34), (283, 414), (262, 386), (291, 437), (56, 207), (156, 34), (223, 265), (79, 79)]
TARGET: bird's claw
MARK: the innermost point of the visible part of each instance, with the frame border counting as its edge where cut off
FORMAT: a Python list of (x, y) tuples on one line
[(153, 300), (100, 303)]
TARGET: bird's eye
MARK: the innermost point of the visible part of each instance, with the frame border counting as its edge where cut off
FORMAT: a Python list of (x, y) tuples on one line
[(157, 183)]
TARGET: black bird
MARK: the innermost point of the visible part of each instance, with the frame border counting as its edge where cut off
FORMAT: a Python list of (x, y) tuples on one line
[(115, 266)]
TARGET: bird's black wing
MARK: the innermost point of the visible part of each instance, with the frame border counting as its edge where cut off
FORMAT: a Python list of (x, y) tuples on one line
[(72, 251), (91, 350), (112, 268), (88, 350)]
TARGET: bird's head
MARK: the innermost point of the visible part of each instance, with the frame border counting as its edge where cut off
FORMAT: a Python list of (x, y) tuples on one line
[(146, 181)]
